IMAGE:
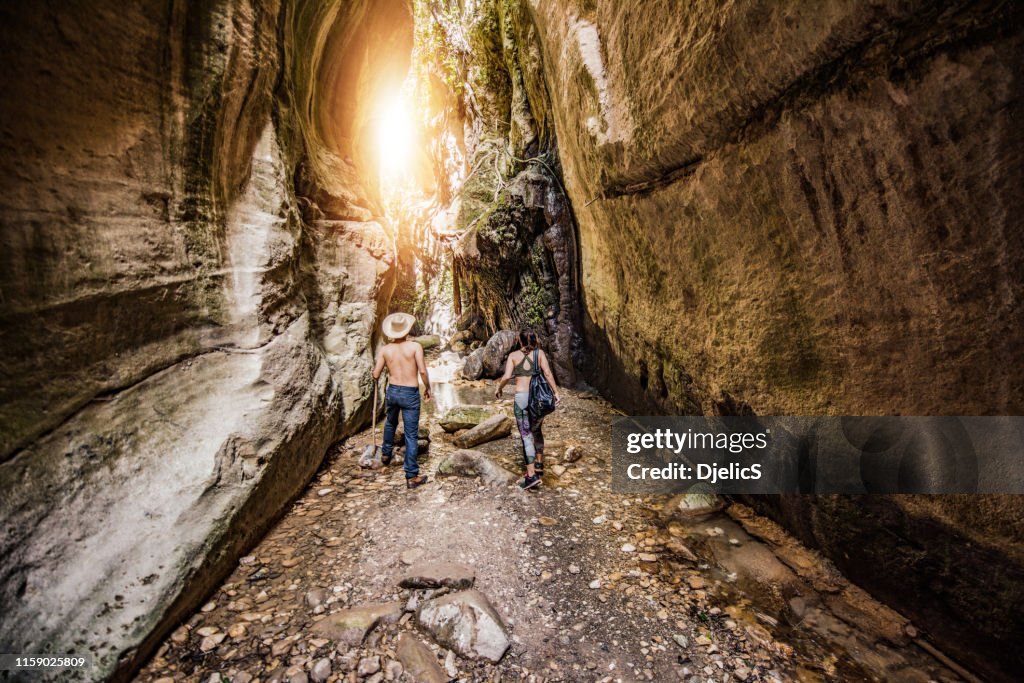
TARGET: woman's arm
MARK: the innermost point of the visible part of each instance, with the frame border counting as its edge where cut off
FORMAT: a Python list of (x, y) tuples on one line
[(504, 378), (546, 369)]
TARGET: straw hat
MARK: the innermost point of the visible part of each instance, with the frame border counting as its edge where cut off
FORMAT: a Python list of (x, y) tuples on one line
[(397, 325)]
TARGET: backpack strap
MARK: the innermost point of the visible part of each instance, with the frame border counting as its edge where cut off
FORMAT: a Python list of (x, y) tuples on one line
[(536, 365)]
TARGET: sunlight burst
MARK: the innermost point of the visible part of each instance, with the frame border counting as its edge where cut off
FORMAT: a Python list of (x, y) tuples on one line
[(395, 138)]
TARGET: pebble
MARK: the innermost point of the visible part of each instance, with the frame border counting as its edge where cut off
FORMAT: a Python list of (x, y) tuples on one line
[(368, 666), (315, 597), (547, 521), (596, 583), (210, 642), (449, 665), (574, 569), (411, 556), (696, 582), (321, 670), (209, 607), (628, 548), (681, 640), (393, 670), (600, 519)]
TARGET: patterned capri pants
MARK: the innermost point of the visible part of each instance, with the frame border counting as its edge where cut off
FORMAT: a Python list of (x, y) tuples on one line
[(533, 438)]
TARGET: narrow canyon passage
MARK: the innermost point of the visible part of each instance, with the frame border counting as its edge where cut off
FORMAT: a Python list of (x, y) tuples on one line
[(700, 209), (591, 585)]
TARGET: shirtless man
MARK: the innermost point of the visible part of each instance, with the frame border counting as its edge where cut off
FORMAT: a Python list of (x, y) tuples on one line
[(404, 360)]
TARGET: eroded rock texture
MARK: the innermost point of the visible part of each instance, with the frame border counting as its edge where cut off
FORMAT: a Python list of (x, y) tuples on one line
[(787, 208), (803, 209), (514, 238), (184, 333)]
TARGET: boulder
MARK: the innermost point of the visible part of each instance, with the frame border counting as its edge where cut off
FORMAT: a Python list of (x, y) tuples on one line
[(496, 351), (473, 368), (428, 341), (418, 660), (467, 463), (437, 575), (351, 626), (464, 417), (466, 623), (495, 427)]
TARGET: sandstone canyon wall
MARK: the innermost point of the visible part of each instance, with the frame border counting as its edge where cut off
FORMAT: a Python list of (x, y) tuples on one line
[(810, 208), (191, 274)]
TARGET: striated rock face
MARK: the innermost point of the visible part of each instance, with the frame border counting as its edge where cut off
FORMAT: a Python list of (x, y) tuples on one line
[(185, 331), (803, 210), (787, 208)]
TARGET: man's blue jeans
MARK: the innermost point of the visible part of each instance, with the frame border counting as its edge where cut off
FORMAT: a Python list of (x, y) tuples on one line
[(407, 400)]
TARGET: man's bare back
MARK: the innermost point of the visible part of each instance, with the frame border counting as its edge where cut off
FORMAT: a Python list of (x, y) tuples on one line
[(404, 360)]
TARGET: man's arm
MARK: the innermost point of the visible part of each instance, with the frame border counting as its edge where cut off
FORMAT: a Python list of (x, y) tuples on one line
[(504, 378), (422, 367), (379, 366)]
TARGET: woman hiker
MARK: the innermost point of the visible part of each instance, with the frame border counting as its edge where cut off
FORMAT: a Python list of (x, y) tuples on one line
[(521, 364)]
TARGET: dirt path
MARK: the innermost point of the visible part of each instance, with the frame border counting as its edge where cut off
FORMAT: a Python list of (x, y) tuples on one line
[(592, 585)]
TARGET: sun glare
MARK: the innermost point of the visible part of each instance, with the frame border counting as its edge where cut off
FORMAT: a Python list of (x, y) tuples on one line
[(395, 138)]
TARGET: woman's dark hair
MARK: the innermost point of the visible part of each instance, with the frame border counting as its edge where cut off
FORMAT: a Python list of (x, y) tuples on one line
[(528, 339)]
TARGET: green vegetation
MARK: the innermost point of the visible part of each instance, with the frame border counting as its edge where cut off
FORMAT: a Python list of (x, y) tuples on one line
[(534, 301)]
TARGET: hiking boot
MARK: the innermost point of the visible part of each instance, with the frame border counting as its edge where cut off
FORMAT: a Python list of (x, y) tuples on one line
[(529, 482), (417, 481)]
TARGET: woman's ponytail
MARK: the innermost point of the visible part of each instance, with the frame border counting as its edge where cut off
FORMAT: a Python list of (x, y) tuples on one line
[(528, 339)]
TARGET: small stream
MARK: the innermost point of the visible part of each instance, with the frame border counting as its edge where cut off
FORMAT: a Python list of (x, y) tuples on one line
[(447, 389)]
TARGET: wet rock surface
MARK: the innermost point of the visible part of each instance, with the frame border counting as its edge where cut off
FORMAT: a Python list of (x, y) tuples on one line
[(590, 586)]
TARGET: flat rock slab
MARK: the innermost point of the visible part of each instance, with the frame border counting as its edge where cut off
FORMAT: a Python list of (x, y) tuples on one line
[(693, 505), (466, 623), (351, 626), (419, 661), (468, 463), (496, 427), (437, 575), (464, 417)]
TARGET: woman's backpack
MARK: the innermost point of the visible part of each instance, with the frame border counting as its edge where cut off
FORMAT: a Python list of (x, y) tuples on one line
[(542, 400)]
